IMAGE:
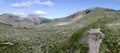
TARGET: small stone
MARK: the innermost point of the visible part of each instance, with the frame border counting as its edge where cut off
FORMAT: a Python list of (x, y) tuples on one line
[(94, 36), (8, 43), (118, 43)]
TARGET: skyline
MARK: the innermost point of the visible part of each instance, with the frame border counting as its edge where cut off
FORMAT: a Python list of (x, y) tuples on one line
[(53, 8)]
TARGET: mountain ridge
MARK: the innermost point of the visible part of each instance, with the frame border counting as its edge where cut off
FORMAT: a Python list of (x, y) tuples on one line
[(31, 21), (76, 33)]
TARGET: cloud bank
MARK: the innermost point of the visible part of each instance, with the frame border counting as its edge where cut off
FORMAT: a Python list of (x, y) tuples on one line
[(36, 12), (29, 3), (18, 13), (39, 12)]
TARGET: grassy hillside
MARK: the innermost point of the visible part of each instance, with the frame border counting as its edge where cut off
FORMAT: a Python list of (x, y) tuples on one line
[(32, 40), (54, 38), (110, 44)]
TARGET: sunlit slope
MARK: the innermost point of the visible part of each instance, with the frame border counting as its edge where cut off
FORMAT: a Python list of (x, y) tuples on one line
[(51, 35)]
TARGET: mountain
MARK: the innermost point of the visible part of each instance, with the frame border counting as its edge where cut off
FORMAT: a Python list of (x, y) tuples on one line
[(33, 21), (93, 30), (22, 22)]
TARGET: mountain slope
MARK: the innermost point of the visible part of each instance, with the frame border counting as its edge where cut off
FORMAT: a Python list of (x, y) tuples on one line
[(63, 35), (21, 22)]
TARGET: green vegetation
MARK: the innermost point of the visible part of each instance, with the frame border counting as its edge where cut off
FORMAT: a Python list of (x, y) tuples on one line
[(28, 40), (110, 44), (6, 48), (97, 36), (71, 45), (53, 38)]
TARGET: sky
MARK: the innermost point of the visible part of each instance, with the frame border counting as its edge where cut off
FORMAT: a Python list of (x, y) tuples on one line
[(53, 8)]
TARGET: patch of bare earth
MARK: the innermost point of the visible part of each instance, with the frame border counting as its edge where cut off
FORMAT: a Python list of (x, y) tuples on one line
[(93, 41)]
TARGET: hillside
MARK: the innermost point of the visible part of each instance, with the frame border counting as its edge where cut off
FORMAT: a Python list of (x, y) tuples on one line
[(62, 35)]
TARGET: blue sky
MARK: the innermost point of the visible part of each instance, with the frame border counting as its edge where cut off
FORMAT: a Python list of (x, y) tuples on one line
[(53, 8)]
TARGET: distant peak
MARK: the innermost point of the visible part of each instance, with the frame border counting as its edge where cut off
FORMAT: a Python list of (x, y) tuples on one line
[(100, 8), (9, 14), (96, 8)]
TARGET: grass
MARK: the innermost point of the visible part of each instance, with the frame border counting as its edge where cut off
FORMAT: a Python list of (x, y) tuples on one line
[(72, 45), (6, 48), (33, 39), (60, 39), (111, 41)]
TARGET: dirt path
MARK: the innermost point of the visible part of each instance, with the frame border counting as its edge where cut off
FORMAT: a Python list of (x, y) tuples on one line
[(93, 42)]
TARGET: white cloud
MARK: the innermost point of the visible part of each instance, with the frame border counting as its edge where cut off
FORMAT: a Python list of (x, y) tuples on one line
[(39, 12), (28, 3), (47, 3), (36, 13), (22, 5), (18, 13)]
